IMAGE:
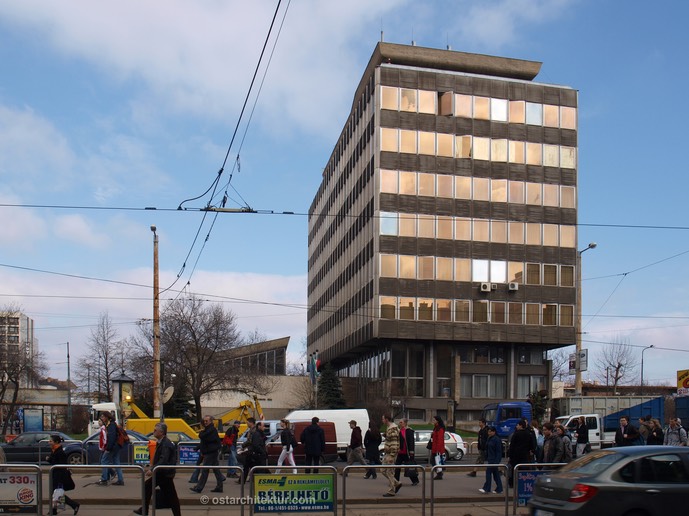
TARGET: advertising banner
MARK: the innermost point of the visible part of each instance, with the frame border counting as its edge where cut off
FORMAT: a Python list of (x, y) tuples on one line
[(188, 453), (33, 420), (18, 493), (293, 493), (525, 484), (683, 382), (141, 455)]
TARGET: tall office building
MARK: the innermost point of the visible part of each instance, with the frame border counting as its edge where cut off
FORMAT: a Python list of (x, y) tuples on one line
[(18, 346), (442, 239)]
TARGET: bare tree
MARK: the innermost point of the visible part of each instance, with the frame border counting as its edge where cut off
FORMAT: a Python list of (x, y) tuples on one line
[(560, 360), (617, 364), (254, 337), (304, 394), (105, 358), (299, 368)]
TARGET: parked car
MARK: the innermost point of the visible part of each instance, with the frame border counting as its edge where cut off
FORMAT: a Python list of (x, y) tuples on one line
[(274, 446), (455, 448), (34, 448), (629, 480), (176, 437), (93, 454)]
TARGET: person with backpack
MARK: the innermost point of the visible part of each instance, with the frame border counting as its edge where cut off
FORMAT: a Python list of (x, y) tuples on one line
[(111, 450), (288, 443), (675, 435), (230, 442)]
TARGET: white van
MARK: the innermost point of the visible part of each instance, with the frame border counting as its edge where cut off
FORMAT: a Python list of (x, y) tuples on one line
[(341, 418)]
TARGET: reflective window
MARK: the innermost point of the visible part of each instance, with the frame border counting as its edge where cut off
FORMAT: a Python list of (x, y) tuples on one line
[(427, 101), (408, 183), (445, 225), (462, 229), (498, 231), (445, 103), (533, 234), (481, 230), (463, 106), (498, 313), (481, 189), (388, 140), (425, 310), (550, 315), (407, 266), (482, 108), (516, 232), (462, 311), (480, 311), (427, 143), (550, 275), (463, 147), (568, 117), (427, 184), (566, 275), (498, 271), (515, 272), (517, 154), (388, 181), (389, 98), (551, 116), (566, 315), (443, 269), (533, 313), (515, 313), (463, 187), (408, 100), (498, 190), (462, 269), (407, 308), (388, 307), (533, 193), (443, 310), (551, 234), (407, 225), (517, 111), (426, 226), (533, 274), (479, 270), (498, 110), (516, 192), (445, 186), (498, 150), (388, 223), (534, 154), (408, 139), (568, 236), (534, 113), (550, 195), (445, 142), (567, 197), (551, 156), (568, 157), (482, 148), (388, 265)]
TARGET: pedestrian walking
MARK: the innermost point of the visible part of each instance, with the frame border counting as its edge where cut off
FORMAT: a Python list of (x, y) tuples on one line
[(61, 477), (493, 456), (392, 447), (438, 445), (372, 441), (230, 443), (626, 434), (675, 435), (313, 439), (110, 450), (553, 447), (582, 436), (521, 450), (355, 450), (481, 445), (406, 453), (209, 448), (288, 443), (566, 444)]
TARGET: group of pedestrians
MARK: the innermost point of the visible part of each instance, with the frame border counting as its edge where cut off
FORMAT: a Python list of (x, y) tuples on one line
[(650, 432)]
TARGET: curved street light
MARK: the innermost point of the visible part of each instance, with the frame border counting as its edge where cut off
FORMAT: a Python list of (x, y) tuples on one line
[(577, 369), (642, 367)]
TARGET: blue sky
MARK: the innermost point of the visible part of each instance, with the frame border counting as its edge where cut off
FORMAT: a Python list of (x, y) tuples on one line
[(134, 105)]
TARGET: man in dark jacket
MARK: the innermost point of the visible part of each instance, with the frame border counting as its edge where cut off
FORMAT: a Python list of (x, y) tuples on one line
[(626, 434), (209, 448), (166, 455), (553, 447), (111, 454), (405, 455), (493, 456), (313, 439), (482, 438), (355, 453), (522, 448)]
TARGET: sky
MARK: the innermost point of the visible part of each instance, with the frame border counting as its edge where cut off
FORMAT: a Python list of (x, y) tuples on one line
[(108, 109)]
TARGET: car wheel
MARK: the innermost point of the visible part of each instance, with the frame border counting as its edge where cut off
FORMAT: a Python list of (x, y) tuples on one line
[(460, 454), (75, 458)]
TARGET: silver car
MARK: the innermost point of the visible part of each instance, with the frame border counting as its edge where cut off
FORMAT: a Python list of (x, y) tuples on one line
[(455, 448)]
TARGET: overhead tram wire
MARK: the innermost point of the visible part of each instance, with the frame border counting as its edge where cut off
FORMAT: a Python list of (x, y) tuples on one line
[(216, 181)]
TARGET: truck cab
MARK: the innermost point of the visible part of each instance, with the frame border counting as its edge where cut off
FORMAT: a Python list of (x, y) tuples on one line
[(598, 437), (505, 415)]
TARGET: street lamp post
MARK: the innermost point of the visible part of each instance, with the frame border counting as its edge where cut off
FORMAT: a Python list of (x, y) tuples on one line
[(157, 395), (69, 390), (642, 367), (577, 373)]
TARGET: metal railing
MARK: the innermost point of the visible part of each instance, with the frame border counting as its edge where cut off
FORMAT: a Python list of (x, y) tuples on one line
[(525, 466), (375, 467), (443, 467)]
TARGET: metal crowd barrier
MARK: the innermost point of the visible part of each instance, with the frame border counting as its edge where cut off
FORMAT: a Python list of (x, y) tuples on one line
[(374, 467), (178, 467), (522, 467), (505, 486)]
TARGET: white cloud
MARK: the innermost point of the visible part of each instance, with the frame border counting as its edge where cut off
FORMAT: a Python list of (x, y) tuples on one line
[(22, 228), (78, 229)]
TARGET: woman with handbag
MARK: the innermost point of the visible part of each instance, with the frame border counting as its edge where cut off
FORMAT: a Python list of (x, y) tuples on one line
[(438, 445), (61, 477)]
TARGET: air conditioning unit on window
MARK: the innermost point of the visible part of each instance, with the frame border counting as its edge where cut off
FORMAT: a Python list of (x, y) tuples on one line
[(485, 287), (513, 286)]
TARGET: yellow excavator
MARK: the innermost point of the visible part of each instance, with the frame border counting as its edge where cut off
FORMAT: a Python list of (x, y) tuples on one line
[(246, 409)]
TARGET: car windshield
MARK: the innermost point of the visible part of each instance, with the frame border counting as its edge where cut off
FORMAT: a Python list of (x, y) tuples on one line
[(592, 463)]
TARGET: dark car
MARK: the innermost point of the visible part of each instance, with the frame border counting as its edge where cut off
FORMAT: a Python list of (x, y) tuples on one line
[(624, 481), (34, 448), (93, 453)]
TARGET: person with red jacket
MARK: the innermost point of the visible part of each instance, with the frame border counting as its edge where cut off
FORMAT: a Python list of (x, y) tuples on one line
[(438, 445), (230, 442)]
